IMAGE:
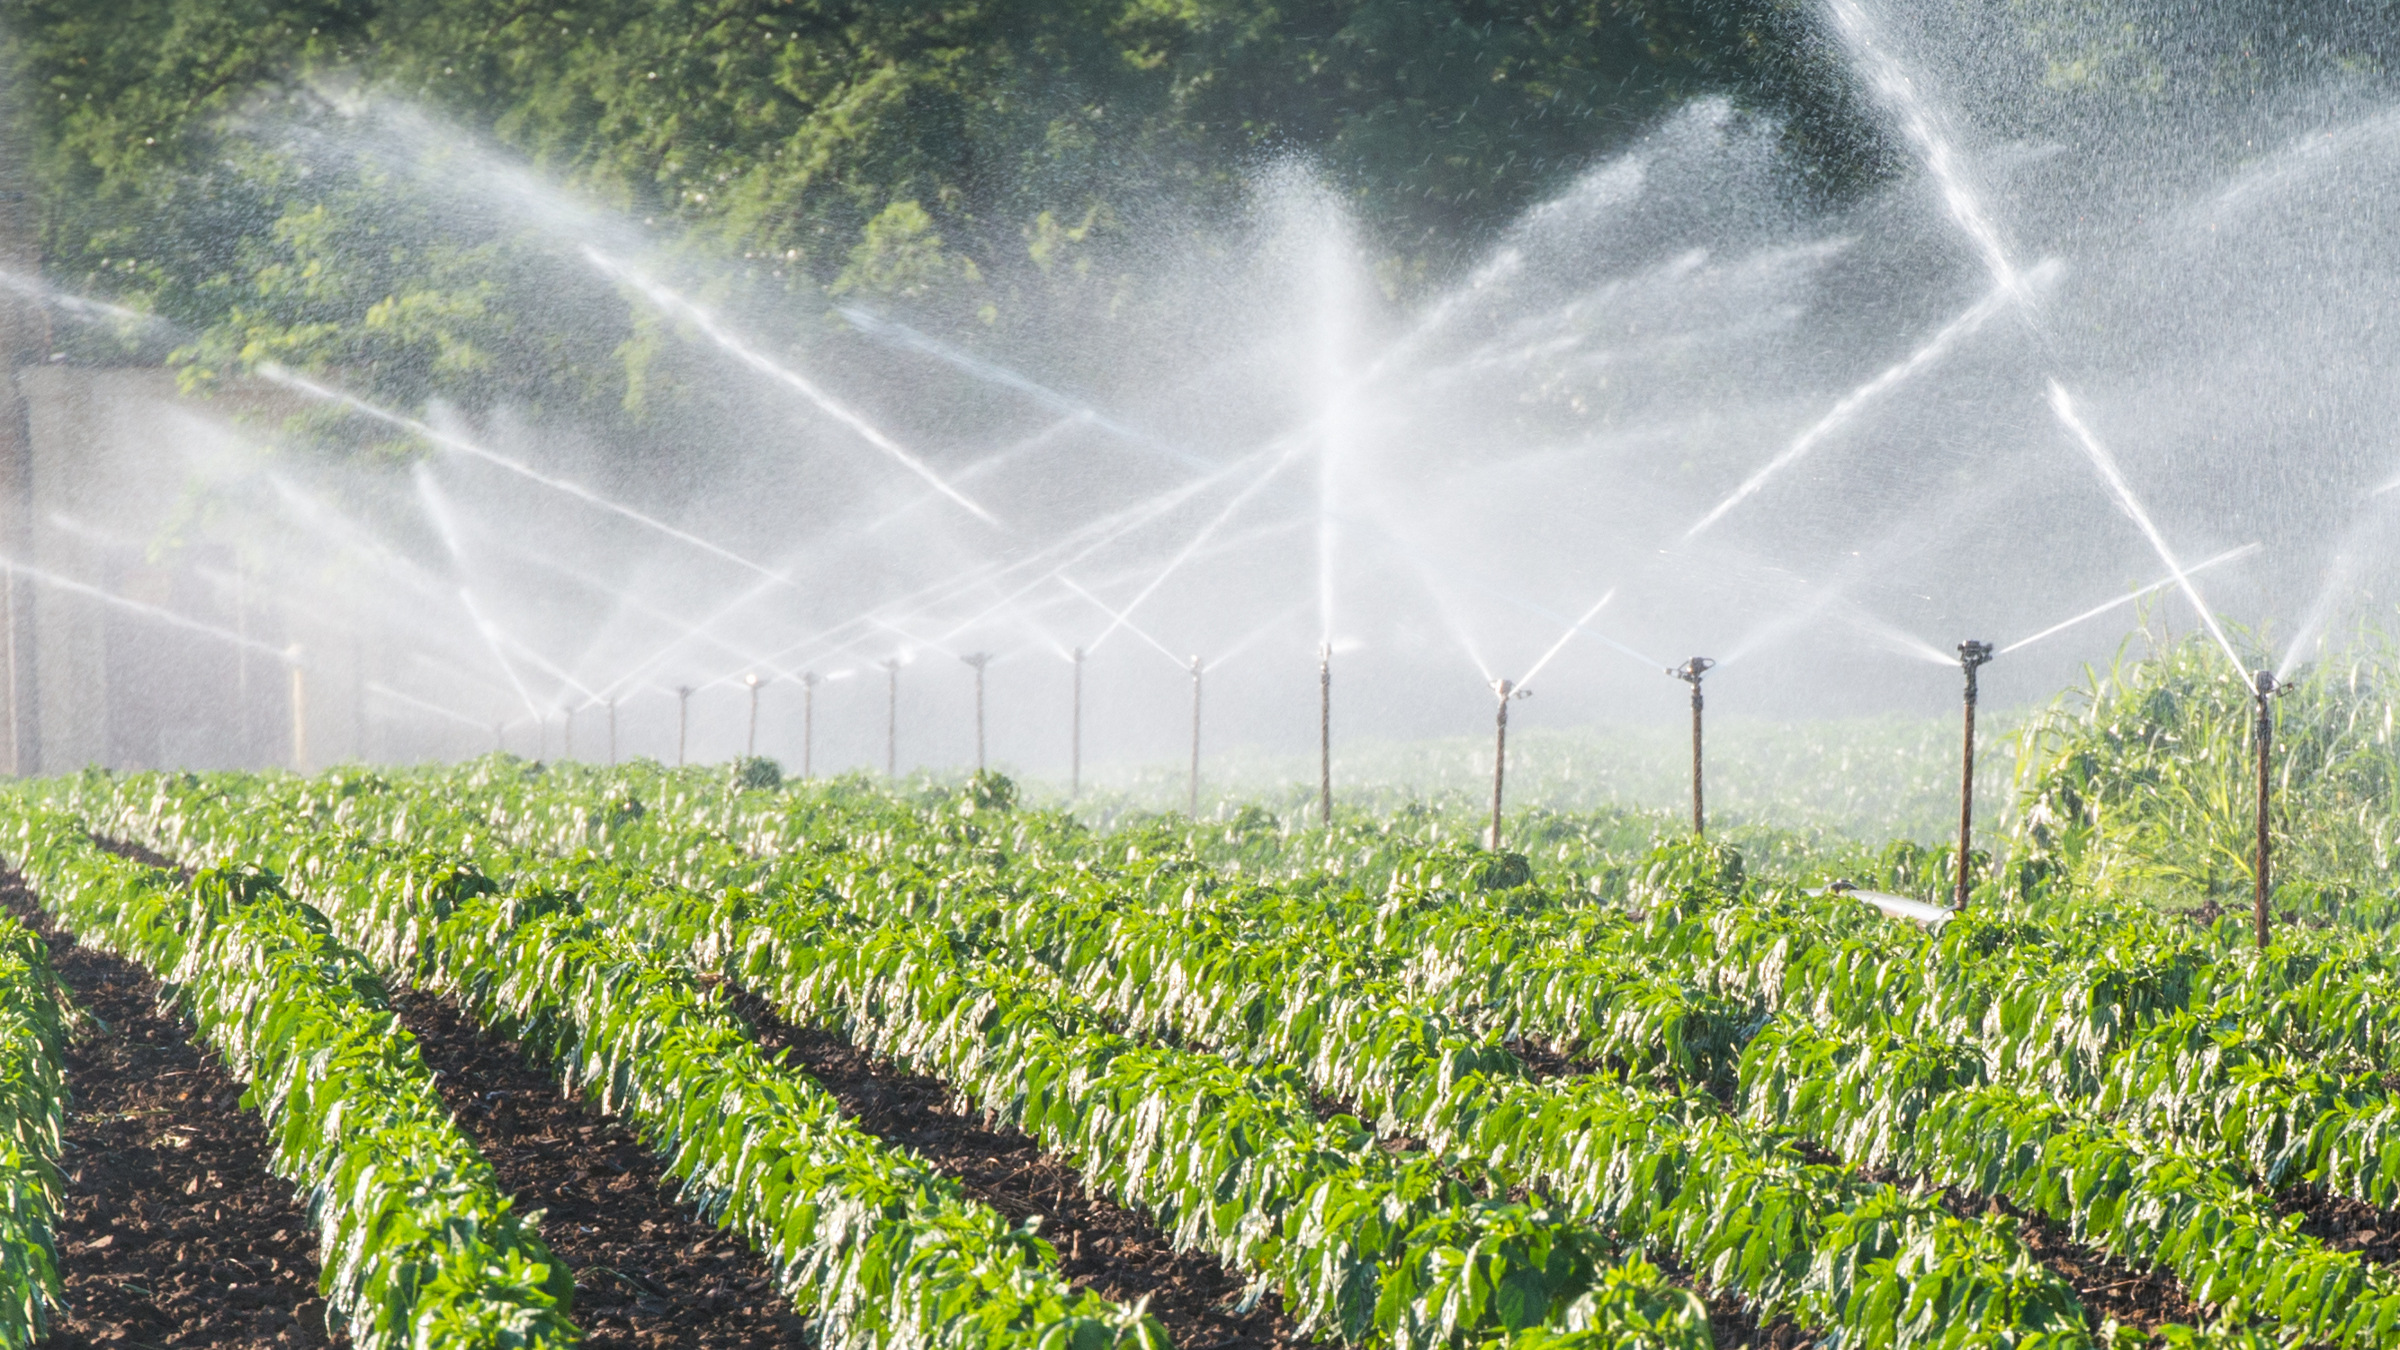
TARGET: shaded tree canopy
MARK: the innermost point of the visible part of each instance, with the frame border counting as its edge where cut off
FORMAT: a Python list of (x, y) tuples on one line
[(994, 157)]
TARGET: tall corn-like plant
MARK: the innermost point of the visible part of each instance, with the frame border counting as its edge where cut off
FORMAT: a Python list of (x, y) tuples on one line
[(2145, 780)]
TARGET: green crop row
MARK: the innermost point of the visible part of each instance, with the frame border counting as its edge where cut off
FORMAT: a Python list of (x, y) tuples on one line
[(33, 1098), (419, 1248), (1803, 1238), (1244, 997), (1375, 1247), (871, 1241)]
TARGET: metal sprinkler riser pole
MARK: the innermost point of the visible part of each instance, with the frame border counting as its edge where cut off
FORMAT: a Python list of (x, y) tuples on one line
[(2263, 688), (1325, 733), (1192, 802), (1506, 689), (683, 719), (808, 723), (978, 660), (1075, 735), (1971, 656), (750, 745), (1690, 673), (891, 719)]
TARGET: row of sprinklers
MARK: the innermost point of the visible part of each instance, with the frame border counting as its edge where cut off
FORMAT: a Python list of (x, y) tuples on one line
[(2263, 685)]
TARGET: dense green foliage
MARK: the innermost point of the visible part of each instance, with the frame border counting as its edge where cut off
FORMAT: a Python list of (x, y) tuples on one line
[(33, 1101), (282, 178), (420, 1249), (2144, 783)]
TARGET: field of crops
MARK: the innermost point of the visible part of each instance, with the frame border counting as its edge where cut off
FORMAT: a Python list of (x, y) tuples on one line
[(553, 1053)]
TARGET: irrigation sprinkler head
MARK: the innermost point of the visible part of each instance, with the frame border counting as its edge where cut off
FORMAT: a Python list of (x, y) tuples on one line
[(811, 679), (1507, 689), (1972, 653), (977, 659), (753, 679), (1691, 671), (2265, 686), (683, 692), (1077, 656)]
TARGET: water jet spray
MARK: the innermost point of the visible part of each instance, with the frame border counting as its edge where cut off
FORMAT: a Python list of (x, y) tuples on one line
[(1971, 656), (1690, 672)]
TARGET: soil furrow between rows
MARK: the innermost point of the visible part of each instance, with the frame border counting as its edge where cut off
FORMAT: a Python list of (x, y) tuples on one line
[(648, 1271), (1102, 1246), (172, 1232)]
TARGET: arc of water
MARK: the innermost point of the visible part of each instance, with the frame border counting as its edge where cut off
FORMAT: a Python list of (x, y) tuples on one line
[(1847, 408), (2064, 405), (2129, 597), (1193, 545), (165, 616), (378, 687), (493, 639), (303, 384), (1136, 629), (1073, 409), (667, 299), (1563, 638), (1255, 635), (1922, 125), (1078, 544)]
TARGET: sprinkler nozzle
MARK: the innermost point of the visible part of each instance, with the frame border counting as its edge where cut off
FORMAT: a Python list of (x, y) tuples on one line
[(1691, 671), (2266, 685), (753, 679), (1507, 689), (1972, 653)]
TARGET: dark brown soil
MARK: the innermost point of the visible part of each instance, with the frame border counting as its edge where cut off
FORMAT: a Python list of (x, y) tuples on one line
[(2344, 1224), (1102, 1246), (172, 1233), (648, 1272), (2108, 1287), (1733, 1324)]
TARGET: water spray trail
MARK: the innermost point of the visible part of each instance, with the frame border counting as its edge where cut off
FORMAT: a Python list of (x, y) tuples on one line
[(1576, 627), (166, 616), (2064, 406), (492, 639), (1078, 544), (1904, 642), (2346, 559), (674, 303), (1251, 639), (1184, 555), (378, 687), (82, 307), (1849, 405), (1075, 410), (2128, 598), (1922, 125), (291, 380), (1130, 626)]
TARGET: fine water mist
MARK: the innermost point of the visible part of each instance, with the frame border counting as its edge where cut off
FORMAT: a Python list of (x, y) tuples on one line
[(1688, 404)]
